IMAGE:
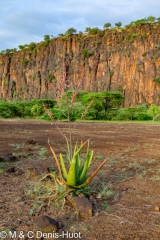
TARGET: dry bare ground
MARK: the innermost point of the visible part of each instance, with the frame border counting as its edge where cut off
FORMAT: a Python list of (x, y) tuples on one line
[(125, 193)]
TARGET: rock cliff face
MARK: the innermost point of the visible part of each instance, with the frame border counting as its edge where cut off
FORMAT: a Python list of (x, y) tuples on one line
[(127, 60)]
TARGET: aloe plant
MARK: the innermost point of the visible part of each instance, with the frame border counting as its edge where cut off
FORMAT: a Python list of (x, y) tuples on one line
[(76, 175)]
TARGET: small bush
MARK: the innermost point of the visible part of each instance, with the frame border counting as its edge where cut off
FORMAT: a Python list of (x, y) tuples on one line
[(142, 116), (86, 53), (37, 110), (25, 62), (23, 109), (156, 80)]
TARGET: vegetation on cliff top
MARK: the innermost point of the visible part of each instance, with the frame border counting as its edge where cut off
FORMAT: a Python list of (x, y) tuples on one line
[(88, 30)]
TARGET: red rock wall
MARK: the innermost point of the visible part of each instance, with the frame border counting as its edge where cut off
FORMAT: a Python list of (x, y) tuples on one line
[(125, 59)]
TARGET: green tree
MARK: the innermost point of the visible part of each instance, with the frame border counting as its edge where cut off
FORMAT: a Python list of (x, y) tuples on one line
[(154, 111), (8, 51), (104, 101), (138, 22), (32, 45), (87, 29), (118, 24), (2, 52), (60, 34), (107, 25), (70, 32), (151, 19), (94, 30), (47, 38), (14, 50), (21, 47)]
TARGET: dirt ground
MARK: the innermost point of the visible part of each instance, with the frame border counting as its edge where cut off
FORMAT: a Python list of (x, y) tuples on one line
[(125, 193)]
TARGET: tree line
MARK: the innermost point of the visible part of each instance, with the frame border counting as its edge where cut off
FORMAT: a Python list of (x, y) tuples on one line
[(47, 38)]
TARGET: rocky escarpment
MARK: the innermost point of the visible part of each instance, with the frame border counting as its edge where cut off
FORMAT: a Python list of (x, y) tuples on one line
[(127, 60)]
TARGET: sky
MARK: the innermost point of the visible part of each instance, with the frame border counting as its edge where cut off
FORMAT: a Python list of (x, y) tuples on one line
[(26, 21)]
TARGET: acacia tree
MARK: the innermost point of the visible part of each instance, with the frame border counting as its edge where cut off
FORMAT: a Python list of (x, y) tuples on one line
[(88, 29), (103, 101), (70, 31), (107, 25), (118, 24), (92, 30)]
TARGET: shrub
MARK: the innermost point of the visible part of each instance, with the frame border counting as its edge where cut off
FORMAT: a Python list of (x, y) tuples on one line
[(36, 110), (25, 62), (86, 53), (142, 116), (92, 31), (156, 80), (56, 114), (123, 114), (5, 112), (23, 109), (9, 110)]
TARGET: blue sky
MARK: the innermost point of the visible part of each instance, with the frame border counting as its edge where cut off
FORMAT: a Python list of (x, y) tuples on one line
[(25, 21)]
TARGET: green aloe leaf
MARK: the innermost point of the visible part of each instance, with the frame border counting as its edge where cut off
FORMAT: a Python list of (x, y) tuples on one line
[(71, 178), (91, 177), (90, 158), (86, 166), (72, 174), (78, 164), (63, 166)]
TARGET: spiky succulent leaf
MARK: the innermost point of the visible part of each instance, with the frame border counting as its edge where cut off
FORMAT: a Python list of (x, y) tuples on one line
[(77, 175), (78, 164), (85, 167), (91, 177), (71, 177), (64, 171), (72, 173)]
